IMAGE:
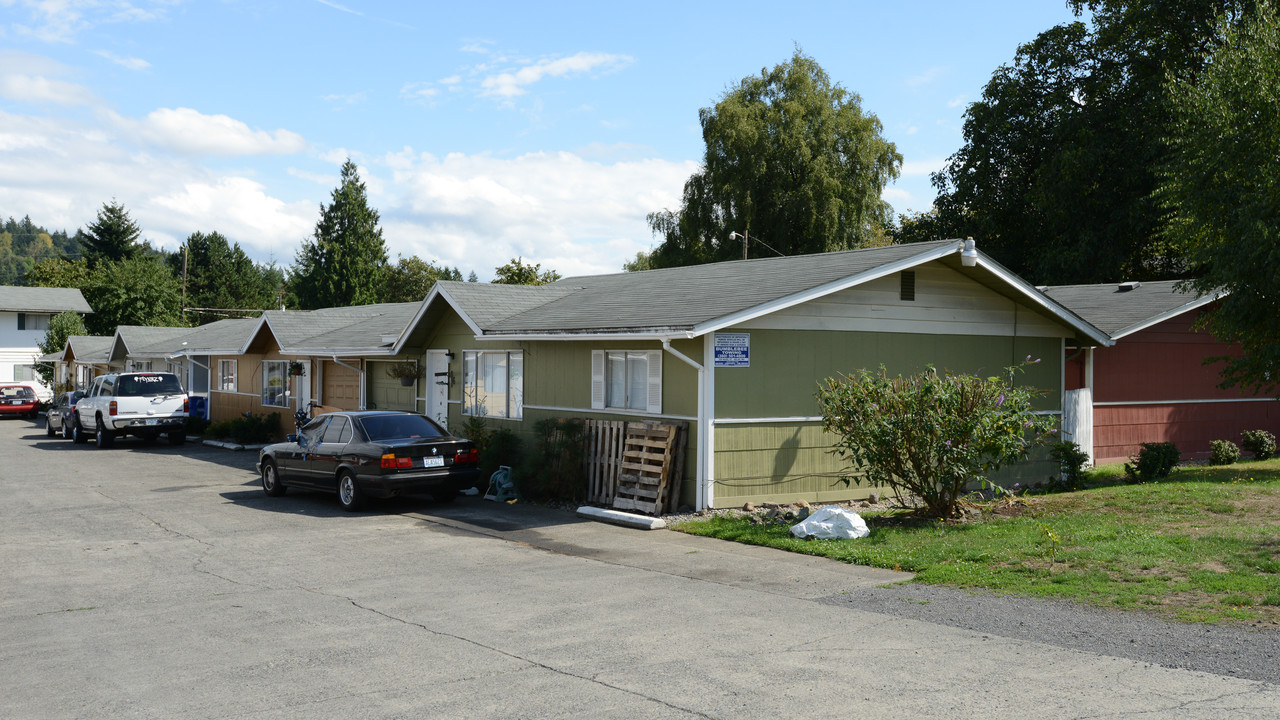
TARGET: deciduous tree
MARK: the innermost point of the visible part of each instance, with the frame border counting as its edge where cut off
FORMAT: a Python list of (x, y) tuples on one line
[(791, 162), (221, 275), (517, 272), (411, 279), (1061, 153), (61, 326), (1220, 186)]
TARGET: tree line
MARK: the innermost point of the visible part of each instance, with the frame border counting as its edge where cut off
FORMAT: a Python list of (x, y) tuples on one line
[(127, 281)]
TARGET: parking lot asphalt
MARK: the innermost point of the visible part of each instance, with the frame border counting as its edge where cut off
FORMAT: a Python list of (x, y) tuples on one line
[(158, 582)]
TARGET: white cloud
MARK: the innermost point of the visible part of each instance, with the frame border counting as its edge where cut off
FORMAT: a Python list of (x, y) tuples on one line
[(131, 63), (957, 101), (419, 91), (922, 168), (190, 132), (928, 76), (42, 90), (514, 82), (59, 21), (238, 208), (558, 209)]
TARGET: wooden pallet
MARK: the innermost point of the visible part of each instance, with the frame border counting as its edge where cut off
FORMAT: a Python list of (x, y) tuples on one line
[(648, 459), (604, 458)]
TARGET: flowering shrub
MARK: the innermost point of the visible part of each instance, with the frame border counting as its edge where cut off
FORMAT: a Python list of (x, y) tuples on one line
[(930, 435), (1259, 442), (1223, 452)]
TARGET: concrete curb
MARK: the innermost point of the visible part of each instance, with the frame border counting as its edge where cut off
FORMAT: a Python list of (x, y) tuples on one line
[(230, 445), (616, 517)]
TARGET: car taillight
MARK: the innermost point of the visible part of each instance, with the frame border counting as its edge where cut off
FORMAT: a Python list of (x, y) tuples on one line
[(186, 404), (391, 462), (112, 408), (466, 456)]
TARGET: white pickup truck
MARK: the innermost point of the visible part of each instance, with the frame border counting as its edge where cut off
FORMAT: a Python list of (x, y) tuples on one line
[(134, 403)]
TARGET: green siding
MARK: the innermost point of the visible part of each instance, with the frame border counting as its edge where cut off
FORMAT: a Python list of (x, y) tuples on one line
[(787, 365), (787, 461)]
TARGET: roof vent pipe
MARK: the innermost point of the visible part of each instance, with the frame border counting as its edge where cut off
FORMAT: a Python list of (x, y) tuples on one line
[(969, 256), (1127, 286)]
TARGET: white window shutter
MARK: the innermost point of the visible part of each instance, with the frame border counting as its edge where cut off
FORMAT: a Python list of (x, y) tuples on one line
[(597, 379), (655, 381)]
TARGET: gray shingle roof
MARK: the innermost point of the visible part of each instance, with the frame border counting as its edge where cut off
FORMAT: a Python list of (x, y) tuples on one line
[(223, 336), (670, 299), (42, 299), (91, 348), (1117, 311), (360, 327), (146, 340)]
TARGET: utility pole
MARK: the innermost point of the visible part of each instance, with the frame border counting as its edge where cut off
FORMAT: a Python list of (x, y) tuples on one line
[(184, 281), (744, 239)]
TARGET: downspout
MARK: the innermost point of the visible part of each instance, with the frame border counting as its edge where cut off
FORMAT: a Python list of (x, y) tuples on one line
[(352, 367), (704, 420)]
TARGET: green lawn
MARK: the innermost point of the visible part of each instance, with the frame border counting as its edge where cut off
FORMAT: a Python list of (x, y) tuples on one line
[(1201, 546)]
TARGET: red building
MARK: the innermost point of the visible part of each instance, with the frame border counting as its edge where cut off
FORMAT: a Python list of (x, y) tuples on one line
[(1154, 384)]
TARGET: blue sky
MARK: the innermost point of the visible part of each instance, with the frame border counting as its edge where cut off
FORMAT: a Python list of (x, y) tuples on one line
[(484, 131)]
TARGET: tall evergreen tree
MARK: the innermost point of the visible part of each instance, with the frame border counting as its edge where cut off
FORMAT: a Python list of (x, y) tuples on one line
[(221, 275), (111, 237), (345, 262)]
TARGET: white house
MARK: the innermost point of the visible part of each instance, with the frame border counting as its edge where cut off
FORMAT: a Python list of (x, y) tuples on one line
[(24, 319)]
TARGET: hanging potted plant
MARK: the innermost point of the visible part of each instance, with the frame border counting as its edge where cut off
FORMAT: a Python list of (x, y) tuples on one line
[(407, 371), (296, 367)]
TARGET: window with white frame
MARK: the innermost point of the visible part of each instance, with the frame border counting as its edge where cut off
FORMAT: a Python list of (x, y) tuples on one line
[(227, 375), (493, 383), (626, 380), (24, 373), (275, 383), (137, 366)]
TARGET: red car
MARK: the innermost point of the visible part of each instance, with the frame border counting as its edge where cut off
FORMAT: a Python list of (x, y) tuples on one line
[(18, 400)]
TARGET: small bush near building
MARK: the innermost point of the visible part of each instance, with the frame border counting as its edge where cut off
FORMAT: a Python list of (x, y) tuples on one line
[(248, 429), (502, 447), (1223, 452), (1153, 461), (933, 434), (1071, 461), (1259, 442), (554, 466)]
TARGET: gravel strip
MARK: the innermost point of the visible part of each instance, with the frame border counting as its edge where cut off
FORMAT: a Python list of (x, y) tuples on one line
[(1250, 652)]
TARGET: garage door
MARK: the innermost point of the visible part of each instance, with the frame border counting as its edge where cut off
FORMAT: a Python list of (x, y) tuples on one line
[(341, 387)]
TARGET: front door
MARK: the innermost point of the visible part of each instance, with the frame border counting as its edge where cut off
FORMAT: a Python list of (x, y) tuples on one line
[(438, 387)]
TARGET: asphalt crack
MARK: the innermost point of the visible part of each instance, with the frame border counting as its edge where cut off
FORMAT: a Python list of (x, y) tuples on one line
[(513, 656)]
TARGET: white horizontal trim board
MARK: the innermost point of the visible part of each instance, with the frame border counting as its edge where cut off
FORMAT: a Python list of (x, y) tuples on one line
[(233, 392), (1180, 402), (947, 303), (767, 420), (611, 411)]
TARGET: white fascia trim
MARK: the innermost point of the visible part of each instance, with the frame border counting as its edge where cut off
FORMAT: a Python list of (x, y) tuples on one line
[(658, 335), (253, 334), (1197, 303), (1058, 310), (324, 353), (436, 292), (822, 290), (1123, 403)]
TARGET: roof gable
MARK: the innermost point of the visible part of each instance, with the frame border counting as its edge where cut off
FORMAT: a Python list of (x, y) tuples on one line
[(698, 299)]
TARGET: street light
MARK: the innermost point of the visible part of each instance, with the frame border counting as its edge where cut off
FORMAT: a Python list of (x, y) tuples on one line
[(744, 239)]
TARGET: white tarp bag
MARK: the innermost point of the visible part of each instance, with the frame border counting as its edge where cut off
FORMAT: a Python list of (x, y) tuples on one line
[(832, 523)]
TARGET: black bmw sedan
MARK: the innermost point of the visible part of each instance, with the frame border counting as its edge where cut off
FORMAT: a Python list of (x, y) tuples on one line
[(375, 453)]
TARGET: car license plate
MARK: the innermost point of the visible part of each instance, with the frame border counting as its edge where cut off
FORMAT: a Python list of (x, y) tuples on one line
[(436, 461), (152, 421)]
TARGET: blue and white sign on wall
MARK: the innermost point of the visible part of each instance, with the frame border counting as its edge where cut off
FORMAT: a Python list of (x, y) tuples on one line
[(732, 349)]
